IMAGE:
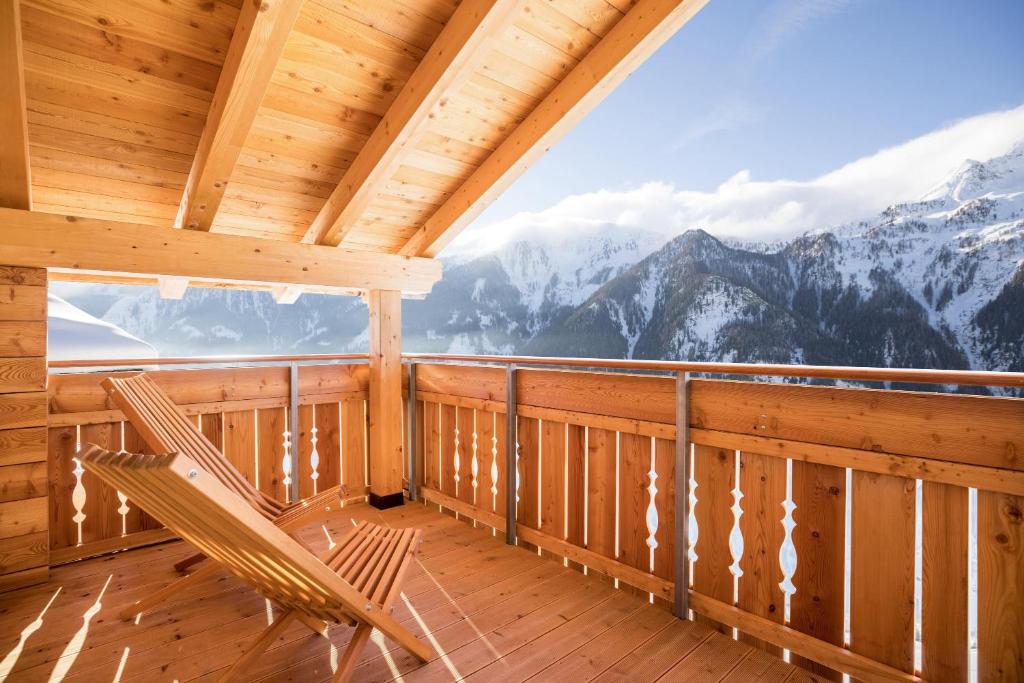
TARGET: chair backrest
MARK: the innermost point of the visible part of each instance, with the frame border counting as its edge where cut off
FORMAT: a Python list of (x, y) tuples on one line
[(166, 429), (196, 505)]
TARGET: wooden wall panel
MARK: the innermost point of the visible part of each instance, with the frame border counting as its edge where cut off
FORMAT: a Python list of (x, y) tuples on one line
[(240, 442), (19, 446), (304, 449), (714, 470), (475, 381), (944, 533), (464, 421), (431, 445), (639, 397), (634, 478), (665, 468), (485, 498), (1000, 587), (552, 478), (24, 473), (102, 520), (601, 500), (353, 445), (882, 569), (447, 472), (763, 484), (819, 493), (270, 427), (979, 430), (501, 460), (420, 441), (328, 434), (212, 427), (137, 519), (528, 436)]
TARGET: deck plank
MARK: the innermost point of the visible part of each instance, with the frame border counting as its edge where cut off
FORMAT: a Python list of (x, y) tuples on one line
[(493, 610)]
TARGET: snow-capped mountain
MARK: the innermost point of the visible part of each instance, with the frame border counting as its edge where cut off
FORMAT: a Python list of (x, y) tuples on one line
[(935, 282)]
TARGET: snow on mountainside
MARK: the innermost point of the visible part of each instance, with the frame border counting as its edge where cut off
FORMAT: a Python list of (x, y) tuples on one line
[(935, 282)]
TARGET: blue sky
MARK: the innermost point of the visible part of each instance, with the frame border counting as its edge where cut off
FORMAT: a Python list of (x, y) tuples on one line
[(786, 89)]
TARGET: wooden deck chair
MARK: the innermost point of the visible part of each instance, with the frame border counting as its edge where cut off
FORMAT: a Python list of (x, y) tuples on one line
[(166, 429), (357, 580)]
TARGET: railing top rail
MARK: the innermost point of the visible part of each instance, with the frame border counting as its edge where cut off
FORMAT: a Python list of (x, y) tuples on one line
[(203, 360), (863, 374)]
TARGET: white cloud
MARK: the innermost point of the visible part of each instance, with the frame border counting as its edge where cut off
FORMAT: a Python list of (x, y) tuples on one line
[(730, 114), (745, 208)]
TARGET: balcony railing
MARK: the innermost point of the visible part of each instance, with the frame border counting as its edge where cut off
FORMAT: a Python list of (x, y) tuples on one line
[(848, 525)]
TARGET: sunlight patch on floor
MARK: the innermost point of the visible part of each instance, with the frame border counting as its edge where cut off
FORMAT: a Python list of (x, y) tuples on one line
[(70, 654), (12, 657)]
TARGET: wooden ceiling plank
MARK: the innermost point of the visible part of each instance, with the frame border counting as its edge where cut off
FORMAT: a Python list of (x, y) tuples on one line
[(445, 67), (67, 242), (634, 38), (15, 168), (259, 38)]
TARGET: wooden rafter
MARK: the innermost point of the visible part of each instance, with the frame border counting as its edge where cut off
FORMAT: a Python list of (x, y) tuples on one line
[(634, 38), (15, 175), (45, 240), (259, 38), (441, 72)]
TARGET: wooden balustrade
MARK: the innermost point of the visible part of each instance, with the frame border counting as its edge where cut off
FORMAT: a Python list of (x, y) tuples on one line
[(791, 488), (828, 477), (244, 411)]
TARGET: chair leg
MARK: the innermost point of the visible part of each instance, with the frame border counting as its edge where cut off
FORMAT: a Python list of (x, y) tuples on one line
[(315, 625), (188, 562), (349, 660), (258, 646), (150, 601)]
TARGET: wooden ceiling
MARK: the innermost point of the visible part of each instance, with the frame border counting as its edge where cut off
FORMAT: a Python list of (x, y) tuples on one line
[(377, 125)]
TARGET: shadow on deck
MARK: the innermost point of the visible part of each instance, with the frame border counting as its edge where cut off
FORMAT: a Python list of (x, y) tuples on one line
[(492, 611)]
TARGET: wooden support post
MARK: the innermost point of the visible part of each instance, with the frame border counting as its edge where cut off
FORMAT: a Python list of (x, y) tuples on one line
[(24, 504), (385, 406), (511, 452), (682, 498), (410, 430)]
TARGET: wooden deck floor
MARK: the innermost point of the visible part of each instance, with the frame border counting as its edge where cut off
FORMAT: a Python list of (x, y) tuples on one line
[(496, 613)]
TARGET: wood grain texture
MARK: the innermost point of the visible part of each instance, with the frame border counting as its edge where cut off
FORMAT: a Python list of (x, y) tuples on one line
[(23, 374), (528, 436), (465, 423), (447, 450), (240, 442), (634, 480), (816, 608), (615, 394), (601, 500), (23, 410), (882, 569), (944, 529), (19, 446), (270, 428), (763, 484), (431, 445), (1000, 587), (22, 338), (16, 178), (27, 480), (665, 468), (384, 408), (353, 423), (980, 430), (22, 303), (715, 474), (552, 478)]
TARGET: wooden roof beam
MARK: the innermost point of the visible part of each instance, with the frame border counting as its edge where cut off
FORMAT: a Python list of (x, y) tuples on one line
[(631, 41), (260, 35), (442, 71), (15, 170), (87, 245)]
